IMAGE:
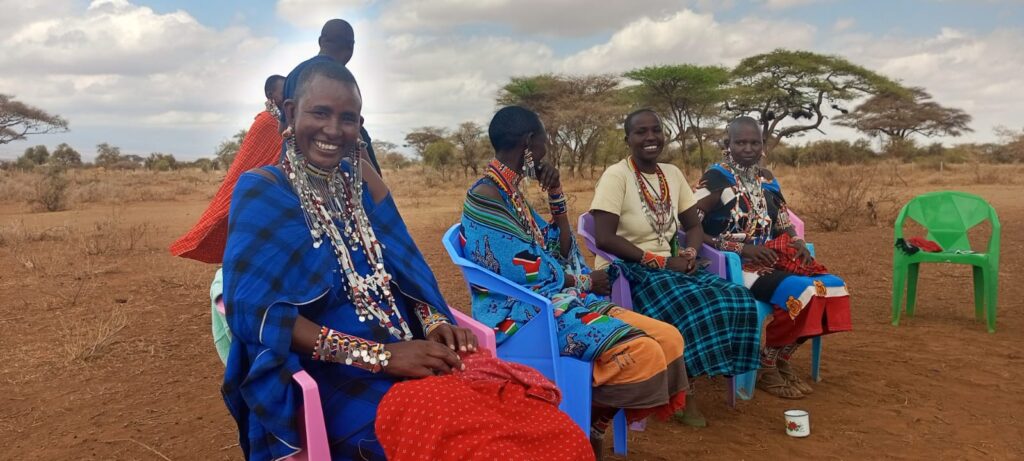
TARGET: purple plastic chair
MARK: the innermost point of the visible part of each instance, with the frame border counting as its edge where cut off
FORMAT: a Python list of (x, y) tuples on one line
[(311, 415), (620, 289)]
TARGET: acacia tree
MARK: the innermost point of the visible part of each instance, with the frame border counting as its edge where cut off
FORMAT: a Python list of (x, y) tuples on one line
[(471, 146), (65, 156), (422, 137), (388, 155), (575, 109), (541, 94), (18, 120), (901, 114), (107, 156), (440, 155), (228, 149), (691, 96), (791, 91), (33, 157)]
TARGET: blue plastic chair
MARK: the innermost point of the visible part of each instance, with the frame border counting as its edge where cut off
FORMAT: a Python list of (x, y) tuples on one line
[(536, 343)]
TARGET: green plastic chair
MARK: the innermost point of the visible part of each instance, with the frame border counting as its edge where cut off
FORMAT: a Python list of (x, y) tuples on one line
[(948, 216)]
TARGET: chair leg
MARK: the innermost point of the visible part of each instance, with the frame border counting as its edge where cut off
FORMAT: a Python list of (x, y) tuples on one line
[(979, 293), (992, 295), (899, 274), (730, 391), (745, 384), (816, 359), (619, 427), (912, 270)]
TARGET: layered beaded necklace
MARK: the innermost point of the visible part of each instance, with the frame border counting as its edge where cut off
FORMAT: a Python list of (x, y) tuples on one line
[(272, 108), (657, 207), (333, 196), (508, 181), (756, 220)]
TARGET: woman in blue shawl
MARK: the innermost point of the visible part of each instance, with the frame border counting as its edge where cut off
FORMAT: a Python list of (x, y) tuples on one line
[(638, 361), (320, 274)]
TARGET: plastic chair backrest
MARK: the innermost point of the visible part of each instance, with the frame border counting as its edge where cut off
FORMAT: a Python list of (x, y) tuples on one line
[(621, 296), (947, 215)]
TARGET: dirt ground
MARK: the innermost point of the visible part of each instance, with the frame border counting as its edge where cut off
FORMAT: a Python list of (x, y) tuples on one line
[(107, 352)]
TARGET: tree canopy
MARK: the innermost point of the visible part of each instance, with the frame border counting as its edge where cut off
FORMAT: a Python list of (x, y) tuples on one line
[(901, 114), (19, 120)]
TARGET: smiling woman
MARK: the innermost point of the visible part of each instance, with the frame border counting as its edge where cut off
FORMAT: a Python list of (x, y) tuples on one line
[(321, 275)]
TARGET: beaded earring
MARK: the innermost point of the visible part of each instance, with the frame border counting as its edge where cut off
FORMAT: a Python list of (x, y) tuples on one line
[(529, 165)]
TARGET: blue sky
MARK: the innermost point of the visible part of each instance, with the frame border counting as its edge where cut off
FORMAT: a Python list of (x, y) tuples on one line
[(180, 76)]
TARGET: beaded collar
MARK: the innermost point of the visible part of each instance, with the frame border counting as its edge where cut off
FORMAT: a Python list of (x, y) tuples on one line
[(755, 220), (657, 209), (508, 181), (329, 197)]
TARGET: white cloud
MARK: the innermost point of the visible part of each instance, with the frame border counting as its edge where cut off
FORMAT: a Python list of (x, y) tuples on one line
[(557, 18), (688, 37), (314, 13), (843, 24), (120, 66), (783, 4)]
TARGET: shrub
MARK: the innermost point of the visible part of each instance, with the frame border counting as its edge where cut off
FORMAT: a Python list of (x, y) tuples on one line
[(51, 191)]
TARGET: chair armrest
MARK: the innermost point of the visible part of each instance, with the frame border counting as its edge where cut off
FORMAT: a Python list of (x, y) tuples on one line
[(484, 335), (313, 417)]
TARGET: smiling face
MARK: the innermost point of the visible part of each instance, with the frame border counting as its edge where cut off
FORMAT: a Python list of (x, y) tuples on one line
[(645, 138), (326, 120), (745, 144)]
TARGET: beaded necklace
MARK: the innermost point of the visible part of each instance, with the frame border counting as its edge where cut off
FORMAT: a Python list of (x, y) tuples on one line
[(331, 196), (272, 108), (657, 208), (508, 181), (755, 220)]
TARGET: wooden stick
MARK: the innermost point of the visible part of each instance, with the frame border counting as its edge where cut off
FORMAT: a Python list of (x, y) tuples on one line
[(141, 445)]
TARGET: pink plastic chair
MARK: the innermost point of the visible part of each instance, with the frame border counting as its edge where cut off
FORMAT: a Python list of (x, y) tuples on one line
[(311, 416)]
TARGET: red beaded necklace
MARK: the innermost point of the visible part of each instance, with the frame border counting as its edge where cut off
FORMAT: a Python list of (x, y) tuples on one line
[(657, 209), (508, 181)]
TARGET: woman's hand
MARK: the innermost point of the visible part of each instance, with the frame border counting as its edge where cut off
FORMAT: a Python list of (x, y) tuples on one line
[(759, 254), (549, 178), (599, 283), (683, 263), (802, 253), (456, 338), (419, 359)]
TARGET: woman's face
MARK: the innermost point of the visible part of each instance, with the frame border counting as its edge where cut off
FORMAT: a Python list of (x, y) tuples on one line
[(745, 145), (646, 139), (326, 120)]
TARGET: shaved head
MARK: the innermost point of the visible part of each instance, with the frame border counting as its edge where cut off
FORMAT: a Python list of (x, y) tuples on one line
[(737, 122), (337, 40)]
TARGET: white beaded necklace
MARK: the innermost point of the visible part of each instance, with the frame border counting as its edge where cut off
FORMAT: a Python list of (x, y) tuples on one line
[(748, 183), (331, 196)]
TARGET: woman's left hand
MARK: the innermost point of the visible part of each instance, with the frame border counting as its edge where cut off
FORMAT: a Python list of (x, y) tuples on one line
[(802, 253), (456, 338), (599, 283), (549, 177)]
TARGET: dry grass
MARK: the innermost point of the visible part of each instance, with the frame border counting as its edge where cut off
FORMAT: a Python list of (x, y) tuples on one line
[(91, 339)]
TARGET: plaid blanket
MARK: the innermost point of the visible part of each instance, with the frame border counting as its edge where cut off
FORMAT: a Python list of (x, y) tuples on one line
[(718, 319)]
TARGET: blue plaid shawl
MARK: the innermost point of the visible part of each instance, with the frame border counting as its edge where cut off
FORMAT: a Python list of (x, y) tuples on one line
[(272, 274), (494, 240)]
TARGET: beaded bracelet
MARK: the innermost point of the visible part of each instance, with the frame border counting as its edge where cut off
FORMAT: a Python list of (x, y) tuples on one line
[(558, 203), (653, 261), (337, 347), (729, 245), (429, 318), (689, 252), (584, 283)]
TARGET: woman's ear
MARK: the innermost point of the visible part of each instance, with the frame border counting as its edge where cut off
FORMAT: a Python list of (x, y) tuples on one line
[(289, 114)]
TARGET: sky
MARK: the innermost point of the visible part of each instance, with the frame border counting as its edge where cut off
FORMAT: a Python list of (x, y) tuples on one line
[(179, 77)]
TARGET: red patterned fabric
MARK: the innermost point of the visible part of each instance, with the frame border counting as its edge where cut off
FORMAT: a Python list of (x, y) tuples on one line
[(924, 244), (206, 240), (492, 410), (787, 259)]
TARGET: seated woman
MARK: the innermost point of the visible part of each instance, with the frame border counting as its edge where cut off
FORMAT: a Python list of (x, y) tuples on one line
[(745, 212), (637, 208), (321, 275), (637, 360)]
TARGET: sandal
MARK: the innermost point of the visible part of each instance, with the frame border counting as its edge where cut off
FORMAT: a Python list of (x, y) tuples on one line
[(770, 381), (791, 377)]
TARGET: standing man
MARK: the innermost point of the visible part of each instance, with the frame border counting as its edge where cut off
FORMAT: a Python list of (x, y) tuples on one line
[(337, 40)]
